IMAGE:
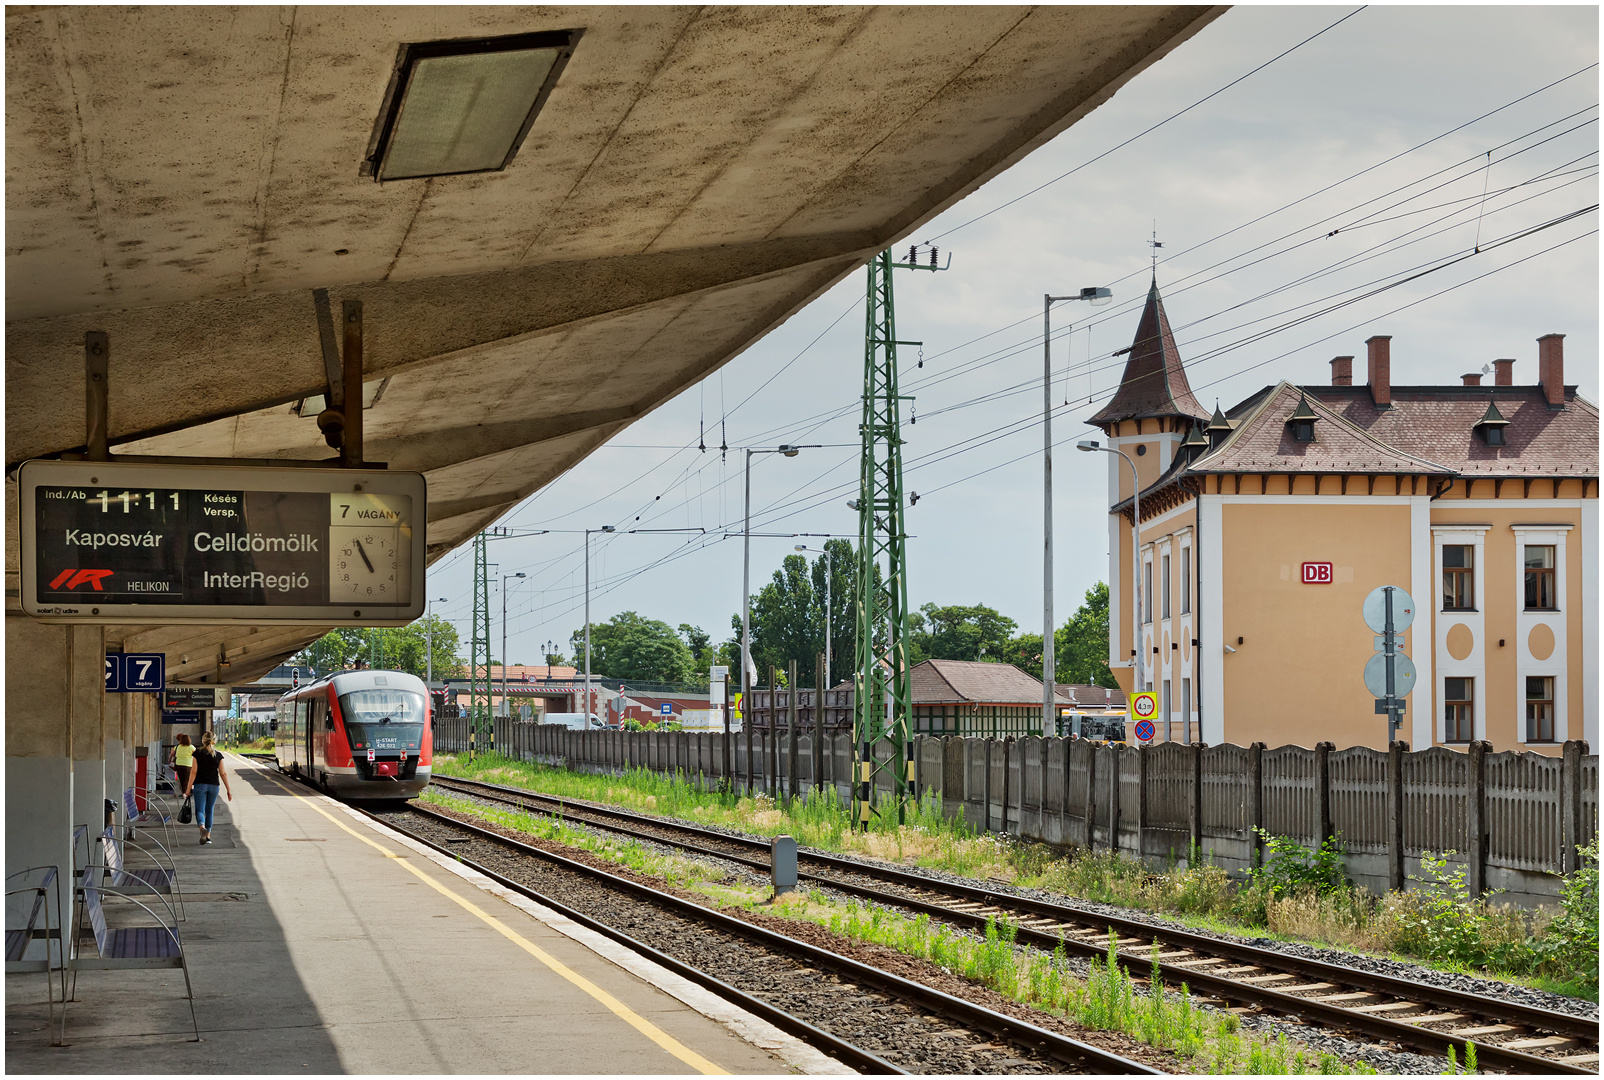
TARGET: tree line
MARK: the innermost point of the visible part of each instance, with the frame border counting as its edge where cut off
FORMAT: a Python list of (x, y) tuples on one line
[(788, 620)]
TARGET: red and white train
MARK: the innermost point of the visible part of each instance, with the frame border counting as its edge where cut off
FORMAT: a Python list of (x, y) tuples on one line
[(358, 734)]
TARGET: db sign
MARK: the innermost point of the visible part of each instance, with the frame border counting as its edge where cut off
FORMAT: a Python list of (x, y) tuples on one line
[(1144, 706), (1317, 573)]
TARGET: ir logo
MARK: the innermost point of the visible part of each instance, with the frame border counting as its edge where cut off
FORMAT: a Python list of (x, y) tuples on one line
[(1317, 573)]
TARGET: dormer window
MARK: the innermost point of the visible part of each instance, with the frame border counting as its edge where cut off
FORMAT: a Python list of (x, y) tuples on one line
[(1492, 424), (1301, 422)]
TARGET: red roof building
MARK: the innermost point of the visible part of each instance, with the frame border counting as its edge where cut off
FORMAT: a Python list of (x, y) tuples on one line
[(1263, 531)]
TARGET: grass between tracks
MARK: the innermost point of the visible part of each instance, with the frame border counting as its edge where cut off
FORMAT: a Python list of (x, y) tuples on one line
[(1107, 1000), (1297, 896)]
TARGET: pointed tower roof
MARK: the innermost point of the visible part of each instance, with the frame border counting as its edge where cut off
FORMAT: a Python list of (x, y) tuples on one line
[(1154, 382)]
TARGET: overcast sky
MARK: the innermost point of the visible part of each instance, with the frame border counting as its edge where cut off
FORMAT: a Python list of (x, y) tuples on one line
[(1243, 191)]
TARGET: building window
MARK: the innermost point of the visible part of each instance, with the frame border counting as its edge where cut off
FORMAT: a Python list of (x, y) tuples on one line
[(1540, 577), (1186, 700), (1166, 589), (1186, 581), (1539, 706), (1459, 702), (1458, 577), (1166, 700), (1147, 592), (1303, 431)]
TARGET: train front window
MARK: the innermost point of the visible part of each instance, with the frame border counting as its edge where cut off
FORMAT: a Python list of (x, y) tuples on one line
[(383, 720)]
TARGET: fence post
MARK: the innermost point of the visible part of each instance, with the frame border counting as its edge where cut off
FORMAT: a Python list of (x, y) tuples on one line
[(1113, 797), (1091, 797), (1570, 805), (1197, 805), (1476, 825), (1256, 803), (1007, 756), (1395, 815), (1322, 780), (985, 804)]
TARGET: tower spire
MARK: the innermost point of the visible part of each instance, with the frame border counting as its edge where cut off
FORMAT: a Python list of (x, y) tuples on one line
[(1154, 382)]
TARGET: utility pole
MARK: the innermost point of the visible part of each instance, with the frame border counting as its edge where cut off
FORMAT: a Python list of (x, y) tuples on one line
[(884, 690)]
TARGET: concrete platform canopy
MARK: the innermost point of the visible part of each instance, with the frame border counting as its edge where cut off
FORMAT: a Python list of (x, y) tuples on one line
[(182, 178)]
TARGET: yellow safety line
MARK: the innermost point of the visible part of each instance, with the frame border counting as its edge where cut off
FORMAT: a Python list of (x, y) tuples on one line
[(618, 1008)]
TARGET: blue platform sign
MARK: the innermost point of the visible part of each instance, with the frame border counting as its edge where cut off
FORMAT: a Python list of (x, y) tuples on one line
[(144, 672), (666, 709), (135, 673)]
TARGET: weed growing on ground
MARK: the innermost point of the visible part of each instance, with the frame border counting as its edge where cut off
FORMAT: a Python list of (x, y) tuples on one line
[(1294, 894)]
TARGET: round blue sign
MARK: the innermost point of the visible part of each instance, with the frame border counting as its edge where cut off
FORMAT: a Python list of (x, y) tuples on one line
[(1144, 730)]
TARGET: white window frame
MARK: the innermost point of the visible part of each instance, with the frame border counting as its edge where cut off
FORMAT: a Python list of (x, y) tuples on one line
[(1557, 621)]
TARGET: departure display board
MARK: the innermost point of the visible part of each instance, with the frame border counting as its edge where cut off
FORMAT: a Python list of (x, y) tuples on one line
[(116, 542)]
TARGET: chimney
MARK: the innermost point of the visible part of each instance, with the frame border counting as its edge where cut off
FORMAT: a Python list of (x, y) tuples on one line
[(1342, 371), (1473, 379), (1503, 372), (1551, 368), (1380, 348)]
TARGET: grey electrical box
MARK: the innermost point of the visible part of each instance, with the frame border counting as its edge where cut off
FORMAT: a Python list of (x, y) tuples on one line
[(783, 862)]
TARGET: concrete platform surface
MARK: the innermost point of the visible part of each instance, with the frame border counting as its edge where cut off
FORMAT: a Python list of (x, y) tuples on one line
[(321, 943)]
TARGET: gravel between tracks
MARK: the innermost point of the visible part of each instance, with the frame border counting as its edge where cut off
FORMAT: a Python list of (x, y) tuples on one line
[(1379, 1056), (903, 1034), (1317, 1039), (1402, 969)]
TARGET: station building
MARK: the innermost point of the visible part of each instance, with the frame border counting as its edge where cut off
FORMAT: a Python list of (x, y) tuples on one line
[(1264, 527)]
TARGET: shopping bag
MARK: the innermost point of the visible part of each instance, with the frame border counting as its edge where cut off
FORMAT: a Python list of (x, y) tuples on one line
[(186, 813)]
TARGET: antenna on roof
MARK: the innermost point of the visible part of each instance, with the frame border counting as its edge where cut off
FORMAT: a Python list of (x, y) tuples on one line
[(1155, 245)]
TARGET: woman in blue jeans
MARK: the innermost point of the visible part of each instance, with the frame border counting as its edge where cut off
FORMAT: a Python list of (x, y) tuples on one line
[(203, 781)]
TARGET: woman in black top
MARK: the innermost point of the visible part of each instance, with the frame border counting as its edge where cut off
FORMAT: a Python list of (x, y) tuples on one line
[(203, 781)]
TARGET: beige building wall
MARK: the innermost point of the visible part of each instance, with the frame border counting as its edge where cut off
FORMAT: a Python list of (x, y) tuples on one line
[(1297, 673)]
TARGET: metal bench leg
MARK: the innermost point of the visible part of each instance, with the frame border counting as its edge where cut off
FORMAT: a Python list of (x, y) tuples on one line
[(184, 962)]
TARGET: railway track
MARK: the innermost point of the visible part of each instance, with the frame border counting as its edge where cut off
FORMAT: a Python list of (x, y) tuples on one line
[(828, 1000), (1508, 1036)]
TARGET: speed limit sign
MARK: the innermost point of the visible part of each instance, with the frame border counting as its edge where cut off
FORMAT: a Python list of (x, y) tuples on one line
[(1144, 705)]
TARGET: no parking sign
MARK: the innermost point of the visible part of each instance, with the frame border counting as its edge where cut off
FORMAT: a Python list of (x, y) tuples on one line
[(1144, 707)]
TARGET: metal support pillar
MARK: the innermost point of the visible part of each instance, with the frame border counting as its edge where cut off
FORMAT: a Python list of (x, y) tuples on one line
[(884, 698), (479, 645)]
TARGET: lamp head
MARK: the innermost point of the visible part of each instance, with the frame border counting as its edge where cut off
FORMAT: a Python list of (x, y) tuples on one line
[(788, 450), (520, 575), (1087, 444), (801, 547), (1099, 295), (608, 528)]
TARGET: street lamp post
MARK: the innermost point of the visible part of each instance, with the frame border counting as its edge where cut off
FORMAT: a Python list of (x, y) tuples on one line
[(1098, 296), (550, 645), (504, 579), (1136, 554), (829, 606), (603, 529), (746, 591), (428, 630)]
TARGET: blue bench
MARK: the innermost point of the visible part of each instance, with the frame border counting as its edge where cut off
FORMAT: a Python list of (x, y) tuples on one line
[(158, 878), (155, 813), (44, 885), (124, 948)]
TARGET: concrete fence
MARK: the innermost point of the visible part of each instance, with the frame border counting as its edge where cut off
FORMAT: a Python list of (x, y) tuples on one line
[(1528, 812)]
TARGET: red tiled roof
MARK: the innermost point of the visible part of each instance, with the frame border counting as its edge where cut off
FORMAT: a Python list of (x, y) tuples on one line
[(1438, 423), (1263, 443), (1154, 382), (953, 682)]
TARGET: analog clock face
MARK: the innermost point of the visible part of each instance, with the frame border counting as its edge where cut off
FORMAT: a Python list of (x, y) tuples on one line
[(363, 564)]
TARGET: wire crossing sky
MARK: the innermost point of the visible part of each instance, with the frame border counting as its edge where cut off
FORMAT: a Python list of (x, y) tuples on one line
[(1315, 174)]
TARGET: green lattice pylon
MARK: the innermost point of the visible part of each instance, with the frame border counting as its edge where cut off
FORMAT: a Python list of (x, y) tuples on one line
[(479, 646), (882, 719)]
